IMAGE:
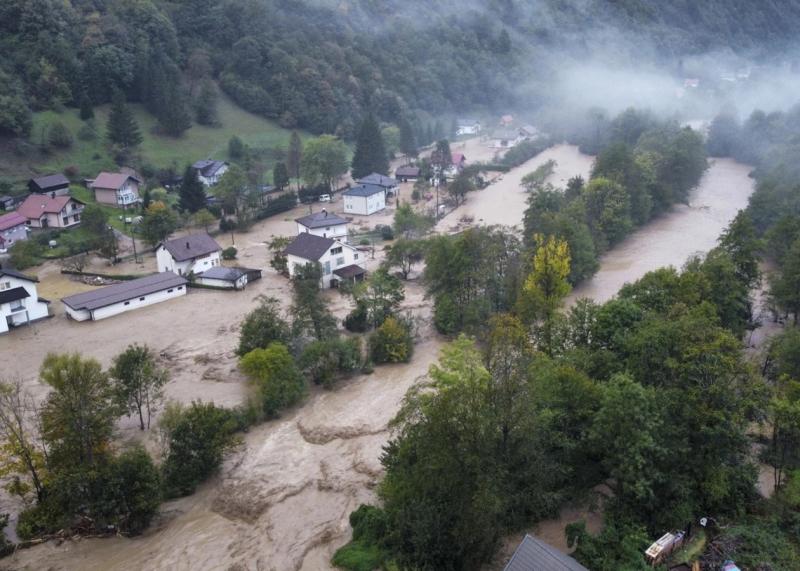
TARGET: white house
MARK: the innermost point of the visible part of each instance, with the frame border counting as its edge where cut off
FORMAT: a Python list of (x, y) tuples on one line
[(228, 278), (468, 127), (339, 261), (124, 296), (387, 183), (324, 224), (209, 172), (116, 189), (13, 228), (20, 303), (506, 138), (195, 253), (364, 199)]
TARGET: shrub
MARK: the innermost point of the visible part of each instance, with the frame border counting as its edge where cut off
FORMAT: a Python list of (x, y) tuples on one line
[(364, 242), (263, 326), (365, 553), (72, 171), (229, 253), (276, 376), (356, 320), (25, 254), (226, 225), (59, 136), (325, 361), (87, 133), (387, 233), (391, 342)]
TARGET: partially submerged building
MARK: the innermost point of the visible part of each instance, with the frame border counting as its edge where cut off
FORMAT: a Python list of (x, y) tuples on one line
[(339, 262), (364, 199), (228, 278), (195, 253), (533, 554), (20, 303), (324, 224)]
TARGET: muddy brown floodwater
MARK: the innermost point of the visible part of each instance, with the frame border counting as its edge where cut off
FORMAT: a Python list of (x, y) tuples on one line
[(281, 501)]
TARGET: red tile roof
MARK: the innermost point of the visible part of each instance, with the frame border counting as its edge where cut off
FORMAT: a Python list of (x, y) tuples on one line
[(111, 180), (37, 204), (11, 220)]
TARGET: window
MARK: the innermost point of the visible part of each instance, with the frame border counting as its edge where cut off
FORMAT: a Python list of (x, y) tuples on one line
[(180, 288), (327, 268), (170, 290), (141, 299), (355, 256), (77, 218), (5, 285), (65, 220), (340, 261), (335, 251), (127, 303)]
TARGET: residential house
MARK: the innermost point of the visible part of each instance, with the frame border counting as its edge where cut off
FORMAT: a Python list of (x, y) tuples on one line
[(20, 303), (468, 127), (11, 202), (535, 555), (459, 161), (124, 296), (364, 199), (228, 278), (116, 189), (389, 185), (324, 224), (13, 228), (506, 138), (529, 132), (195, 254), (339, 261), (506, 120), (52, 184), (406, 173), (209, 172), (44, 211)]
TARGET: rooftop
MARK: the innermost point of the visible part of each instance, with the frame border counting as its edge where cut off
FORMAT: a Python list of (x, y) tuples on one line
[(535, 555), (378, 180), (321, 219), (363, 190), (191, 246), (350, 271), (308, 246), (11, 220), (18, 275), (13, 294), (50, 181), (208, 167), (123, 291), (407, 170), (37, 204), (112, 180), (223, 273)]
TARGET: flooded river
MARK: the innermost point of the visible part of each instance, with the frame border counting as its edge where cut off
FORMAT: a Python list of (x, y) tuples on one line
[(281, 502)]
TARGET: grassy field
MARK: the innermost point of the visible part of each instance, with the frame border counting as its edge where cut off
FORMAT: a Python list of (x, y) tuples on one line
[(92, 156)]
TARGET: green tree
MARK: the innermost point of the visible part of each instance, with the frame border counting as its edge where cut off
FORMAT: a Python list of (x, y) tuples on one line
[(405, 254), (276, 377), (279, 261), (741, 243), (460, 186), (205, 106), (324, 361), (370, 154), (204, 218), (192, 192), (785, 284), (280, 175), (391, 342), (381, 295), (135, 486), (294, 156), (59, 136), (324, 160), (138, 382), (173, 116), (236, 148), (23, 452), (310, 314), (122, 128), (263, 326), (441, 157), (409, 223), (232, 188), (158, 223), (408, 143), (86, 108), (546, 285), (608, 211)]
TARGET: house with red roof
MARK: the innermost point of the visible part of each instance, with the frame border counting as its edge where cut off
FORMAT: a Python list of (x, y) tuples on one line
[(44, 211), (116, 189), (13, 228)]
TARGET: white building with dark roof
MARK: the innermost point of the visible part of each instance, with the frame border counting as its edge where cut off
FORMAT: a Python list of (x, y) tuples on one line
[(364, 199), (228, 278), (124, 296), (468, 127), (209, 172), (387, 183), (324, 224), (339, 261), (195, 253), (20, 303)]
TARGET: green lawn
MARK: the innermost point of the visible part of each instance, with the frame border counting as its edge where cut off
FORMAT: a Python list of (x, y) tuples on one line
[(92, 156)]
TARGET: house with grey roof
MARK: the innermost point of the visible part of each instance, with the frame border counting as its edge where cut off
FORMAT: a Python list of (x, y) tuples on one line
[(51, 184), (535, 555), (468, 127), (209, 171), (194, 253), (389, 184), (406, 173), (364, 199), (124, 296), (323, 223), (228, 278), (339, 261), (20, 303)]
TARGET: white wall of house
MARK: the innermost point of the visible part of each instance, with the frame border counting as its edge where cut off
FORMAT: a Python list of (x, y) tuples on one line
[(468, 129), (241, 283), (166, 263), (24, 310), (336, 232), (128, 305), (13, 235), (213, 179), (365, 205), (338, 256)]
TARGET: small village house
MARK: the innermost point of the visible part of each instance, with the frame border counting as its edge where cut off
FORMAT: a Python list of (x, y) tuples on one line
[(125, 296), (20, 303), (52, 184), (506, 138), (506, 120), (209, 172), (468, 127), (116, 189), (364, 199), (388, 184), (13, 228), (324, 224), (533, 554), (458, 163), (228, 278), (43, 211), (406, 173), (339, 261), (195, 254), (11, 202)]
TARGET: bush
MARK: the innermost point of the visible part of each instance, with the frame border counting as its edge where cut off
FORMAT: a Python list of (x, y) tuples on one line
[(356, 320), (365, 553), (226, 225), (323, 362), (391, 342), (276, 376), (386, 232), (278, 205), (229, 253), (25, 254), (87, 133), (59, 136), (263, 326), (364, 242)]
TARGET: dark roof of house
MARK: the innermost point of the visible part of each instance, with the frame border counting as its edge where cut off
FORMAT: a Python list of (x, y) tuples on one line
[(378, 180), (13, 294), (321, 219), (350, 271), (49, 182), (535, 555), (308, 246), (190, 247), (16, 274), (123, 291), (207, 167), (364, 190), (223, 273), (407, 170)]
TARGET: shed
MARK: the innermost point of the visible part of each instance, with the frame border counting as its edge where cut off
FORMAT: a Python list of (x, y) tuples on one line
[(52, 184), (406, 173), (228, 278), (535, 555)]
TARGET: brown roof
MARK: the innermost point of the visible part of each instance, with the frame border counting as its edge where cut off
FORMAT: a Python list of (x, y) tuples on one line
[(407, 171), (11, 220), (190, 247), (112, 180), (308, 246), (37, 204)]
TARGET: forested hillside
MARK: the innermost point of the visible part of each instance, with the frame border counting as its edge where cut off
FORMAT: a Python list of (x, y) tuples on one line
[(319, 64)]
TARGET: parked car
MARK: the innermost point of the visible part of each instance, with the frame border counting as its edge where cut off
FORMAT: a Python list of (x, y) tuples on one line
[(324, 197)]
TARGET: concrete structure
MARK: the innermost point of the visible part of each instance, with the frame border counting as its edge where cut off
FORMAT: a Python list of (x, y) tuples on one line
[(20, 303), (228, 278), (468, 127), (51, 184), (13, 228), (209, 172), (364, 199), (387, 183), (124, 296), (116, 189), (338, 261), (43, 211), (535, 555), (324, 224), (195, 253)]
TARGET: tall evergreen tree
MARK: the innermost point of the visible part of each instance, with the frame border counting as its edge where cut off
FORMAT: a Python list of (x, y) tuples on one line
[(205, 106), (408, 144), (280, 175), (87, 111), (172, 114), (294, 156), (122, 128), (192, 191), (370, 155)]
